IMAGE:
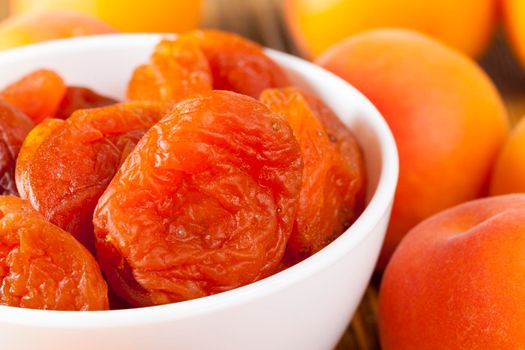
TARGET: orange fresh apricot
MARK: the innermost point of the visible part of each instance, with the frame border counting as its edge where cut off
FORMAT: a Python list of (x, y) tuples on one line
[(513, 13), (466, 25), (509, 171), (37, 94), (48, 25), (157, 16), (446, 116), (456, 280)]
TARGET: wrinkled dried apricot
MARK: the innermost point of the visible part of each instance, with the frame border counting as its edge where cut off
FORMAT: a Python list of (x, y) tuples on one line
[(333, 176), (67, 168), (348, 148), (236, 63), (37, 94), (14, 127), (31, 143), (44, 267), (77, 97), (177, 69), (205, 203)]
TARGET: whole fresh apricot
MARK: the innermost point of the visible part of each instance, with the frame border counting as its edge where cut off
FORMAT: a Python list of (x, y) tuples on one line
[(446, 116), (159, 16), (513, 13), (509, 171), (466, 25), (48, 25), (456, 281)]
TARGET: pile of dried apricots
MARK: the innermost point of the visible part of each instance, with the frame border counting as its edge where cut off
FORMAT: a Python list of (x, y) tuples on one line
[(213, 174)]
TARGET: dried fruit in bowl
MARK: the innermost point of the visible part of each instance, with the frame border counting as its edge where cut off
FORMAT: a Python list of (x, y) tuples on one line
[(198, 60), (14, 127), (64, 166), (177, 69), (237, 64), (205, 203), (37, 94), (44, 267), (332, 194), (77, 97)]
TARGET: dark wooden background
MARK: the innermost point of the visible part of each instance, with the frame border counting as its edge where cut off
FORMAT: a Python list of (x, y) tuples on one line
[(262, 21)]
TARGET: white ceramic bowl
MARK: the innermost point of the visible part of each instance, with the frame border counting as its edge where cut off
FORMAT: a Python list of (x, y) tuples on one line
[(304, 307)]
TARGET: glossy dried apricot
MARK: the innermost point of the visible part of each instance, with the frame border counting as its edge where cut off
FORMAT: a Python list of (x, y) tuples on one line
[(67, 168), (77, 97), (31, 143), (14, 127), (236, 63), (333, 176), (349, 150), (44, 267), (177, 69), (37, 94), (205, 203)]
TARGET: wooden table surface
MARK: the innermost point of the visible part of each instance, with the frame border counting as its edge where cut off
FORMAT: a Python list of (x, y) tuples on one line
[(262, 21)]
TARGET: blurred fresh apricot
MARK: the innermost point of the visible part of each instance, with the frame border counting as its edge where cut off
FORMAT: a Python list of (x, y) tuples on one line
[(513, 12), (48, 25), (509, 172), (127, 15), (466, 25), (447, 117)]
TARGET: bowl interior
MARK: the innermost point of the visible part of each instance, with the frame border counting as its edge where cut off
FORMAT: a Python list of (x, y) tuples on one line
[(105, 63)]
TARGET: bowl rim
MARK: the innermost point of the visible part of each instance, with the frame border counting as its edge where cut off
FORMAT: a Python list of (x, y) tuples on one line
[(378, 206)]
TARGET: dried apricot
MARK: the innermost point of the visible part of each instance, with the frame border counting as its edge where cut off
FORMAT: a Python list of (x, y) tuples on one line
[(37, 94), (349, 150), (77, 97), (14, 127), (333, 175), (176, 70), (204, 203), (66, 169), (236, 63), (44, 267), (31, 143)]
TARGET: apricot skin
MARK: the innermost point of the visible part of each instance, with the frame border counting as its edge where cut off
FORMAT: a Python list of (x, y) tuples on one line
[(513, 13), (446, 116), (46, 25), (456, 280), (466, 25), (508, 175)]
